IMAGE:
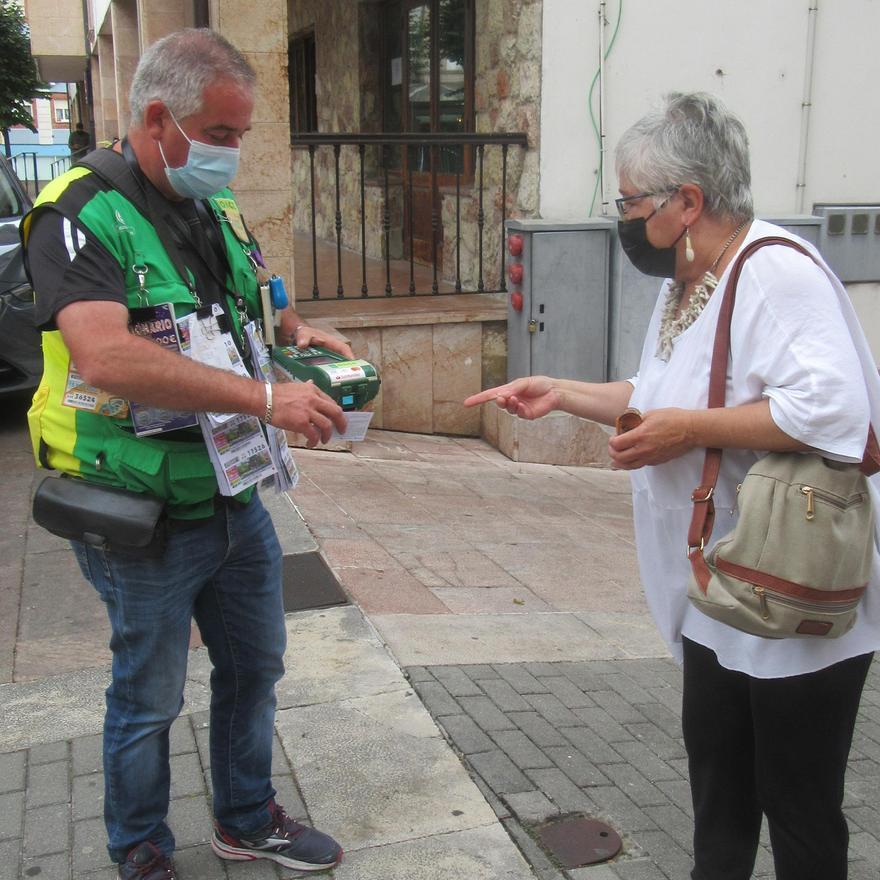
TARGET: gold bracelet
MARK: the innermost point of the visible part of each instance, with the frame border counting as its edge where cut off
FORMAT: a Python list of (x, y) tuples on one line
[(267, 419)]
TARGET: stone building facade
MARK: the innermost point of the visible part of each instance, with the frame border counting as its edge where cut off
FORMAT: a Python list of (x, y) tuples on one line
[(431, 351), (506, 98)]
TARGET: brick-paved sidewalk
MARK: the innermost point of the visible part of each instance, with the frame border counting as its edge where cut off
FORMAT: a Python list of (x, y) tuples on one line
[(51, 808), (604, 738)]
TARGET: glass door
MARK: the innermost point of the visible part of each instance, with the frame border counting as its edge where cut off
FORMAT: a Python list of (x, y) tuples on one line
[(429, 73)]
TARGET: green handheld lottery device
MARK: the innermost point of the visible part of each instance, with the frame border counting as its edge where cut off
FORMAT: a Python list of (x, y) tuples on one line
[(352, 384)]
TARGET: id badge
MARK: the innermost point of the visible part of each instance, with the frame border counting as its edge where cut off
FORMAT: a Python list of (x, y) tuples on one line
[(203, 339), (79, 395)]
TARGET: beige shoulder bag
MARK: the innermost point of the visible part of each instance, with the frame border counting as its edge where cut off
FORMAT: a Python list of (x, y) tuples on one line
[(800, 556)]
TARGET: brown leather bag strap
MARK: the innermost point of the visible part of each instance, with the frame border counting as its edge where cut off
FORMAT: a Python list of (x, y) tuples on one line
[(703, 517)]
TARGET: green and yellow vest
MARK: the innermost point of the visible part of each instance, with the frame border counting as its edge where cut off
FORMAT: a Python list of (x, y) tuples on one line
[(102, 448)]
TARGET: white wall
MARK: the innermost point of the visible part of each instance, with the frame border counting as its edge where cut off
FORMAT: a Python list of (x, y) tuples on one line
[(753, 53), (99, 11), (568, 159), (44, 121)]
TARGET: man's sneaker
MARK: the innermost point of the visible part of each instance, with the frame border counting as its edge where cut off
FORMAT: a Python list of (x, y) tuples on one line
[(146, 862), (283, 841)]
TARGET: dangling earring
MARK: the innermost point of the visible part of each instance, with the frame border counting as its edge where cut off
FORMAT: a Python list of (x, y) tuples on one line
[(688, 247)]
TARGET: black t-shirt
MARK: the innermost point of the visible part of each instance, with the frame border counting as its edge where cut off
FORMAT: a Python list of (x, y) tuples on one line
[(68, 264)]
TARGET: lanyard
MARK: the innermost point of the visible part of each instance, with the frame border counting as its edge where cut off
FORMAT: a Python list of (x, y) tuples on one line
[(163, 218)]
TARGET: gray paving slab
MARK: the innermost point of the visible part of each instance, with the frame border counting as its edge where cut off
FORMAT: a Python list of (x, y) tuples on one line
[(12, 814), (12, 771), (438, 639), (51, 867), (334, 654), (71, 705), (475, 855), (376, 770), (10, 859), (464, 732), (293, 533), (88, 796)]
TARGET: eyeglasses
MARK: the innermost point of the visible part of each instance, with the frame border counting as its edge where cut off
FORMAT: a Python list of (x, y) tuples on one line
[(624, 202)]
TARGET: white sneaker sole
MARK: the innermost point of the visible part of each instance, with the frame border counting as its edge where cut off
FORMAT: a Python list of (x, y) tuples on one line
[(235, 854)]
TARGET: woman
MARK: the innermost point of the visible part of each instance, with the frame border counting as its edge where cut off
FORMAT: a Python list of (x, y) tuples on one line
[(767, 723)]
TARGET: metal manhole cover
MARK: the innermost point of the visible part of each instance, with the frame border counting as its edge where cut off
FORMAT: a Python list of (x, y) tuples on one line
[(578, 840)]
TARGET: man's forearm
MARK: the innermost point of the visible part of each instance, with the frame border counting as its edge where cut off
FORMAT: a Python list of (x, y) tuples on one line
[(140, 370)]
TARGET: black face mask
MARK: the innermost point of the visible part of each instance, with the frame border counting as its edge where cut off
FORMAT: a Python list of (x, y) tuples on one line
[(649, 260)]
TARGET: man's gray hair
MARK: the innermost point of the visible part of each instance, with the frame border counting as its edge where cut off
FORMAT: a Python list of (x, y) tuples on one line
[(176, 70), (693, 139)]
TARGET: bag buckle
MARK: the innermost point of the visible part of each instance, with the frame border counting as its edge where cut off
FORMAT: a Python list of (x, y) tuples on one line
[(692, 548), (709, 490)]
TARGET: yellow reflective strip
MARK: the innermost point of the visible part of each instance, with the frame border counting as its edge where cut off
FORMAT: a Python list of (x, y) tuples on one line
[(51, 192), (56, 422)]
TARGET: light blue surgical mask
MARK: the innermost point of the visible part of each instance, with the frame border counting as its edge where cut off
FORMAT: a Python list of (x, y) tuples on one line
[(208, 168)]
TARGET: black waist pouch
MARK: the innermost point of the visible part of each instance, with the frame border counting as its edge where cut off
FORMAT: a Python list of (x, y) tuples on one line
[(129, 523)]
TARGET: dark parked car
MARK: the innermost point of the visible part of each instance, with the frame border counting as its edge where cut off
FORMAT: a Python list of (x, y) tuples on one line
[(21, 357)]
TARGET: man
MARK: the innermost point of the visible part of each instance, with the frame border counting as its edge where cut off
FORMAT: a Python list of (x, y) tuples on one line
[(93, 255), (78, 142)]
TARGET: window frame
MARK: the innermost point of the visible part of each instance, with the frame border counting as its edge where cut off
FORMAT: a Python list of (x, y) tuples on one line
[(302, 80), (469, 65)]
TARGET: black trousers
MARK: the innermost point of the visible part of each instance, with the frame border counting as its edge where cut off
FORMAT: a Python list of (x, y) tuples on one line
[(772, 746)]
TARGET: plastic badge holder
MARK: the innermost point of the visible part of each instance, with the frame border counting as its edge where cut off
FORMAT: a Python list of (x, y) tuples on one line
[(351, 383)]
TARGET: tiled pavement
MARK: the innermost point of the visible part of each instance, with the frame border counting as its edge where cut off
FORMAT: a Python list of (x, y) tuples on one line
[(51, 808), (603, 738), (542, 740)]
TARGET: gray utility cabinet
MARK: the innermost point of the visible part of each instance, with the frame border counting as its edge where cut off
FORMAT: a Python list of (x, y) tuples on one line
[(850, 240), (633, 296), (562, 328)]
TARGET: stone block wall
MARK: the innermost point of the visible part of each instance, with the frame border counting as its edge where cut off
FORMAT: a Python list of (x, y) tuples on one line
[(430, 356)]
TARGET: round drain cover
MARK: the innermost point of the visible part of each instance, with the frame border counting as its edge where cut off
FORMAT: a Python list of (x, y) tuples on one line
[(578, 840)]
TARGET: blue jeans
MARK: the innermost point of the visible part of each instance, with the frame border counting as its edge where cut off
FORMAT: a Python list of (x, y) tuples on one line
[(225, 573)]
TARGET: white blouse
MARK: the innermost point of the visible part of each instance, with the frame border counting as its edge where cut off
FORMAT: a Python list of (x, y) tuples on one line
[(795, 340)]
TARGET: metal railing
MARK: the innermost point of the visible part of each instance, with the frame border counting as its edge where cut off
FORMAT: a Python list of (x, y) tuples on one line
[(25, 166), (59, 166), (34, 169), (463, 157)]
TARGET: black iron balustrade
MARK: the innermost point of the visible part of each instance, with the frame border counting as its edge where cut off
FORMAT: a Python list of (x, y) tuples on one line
[(25, 166), (59, 166), (426, 149)]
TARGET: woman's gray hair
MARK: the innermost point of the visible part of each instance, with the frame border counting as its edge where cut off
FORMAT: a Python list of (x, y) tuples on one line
[(176, 70), (693, 139)]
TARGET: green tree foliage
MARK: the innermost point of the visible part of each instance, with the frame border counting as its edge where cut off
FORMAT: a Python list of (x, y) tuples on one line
[(18, 73)]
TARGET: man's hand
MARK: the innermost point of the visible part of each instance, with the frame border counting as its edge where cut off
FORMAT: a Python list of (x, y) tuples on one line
[(304, 408), (529, 398), (304, 336), (664, 434), (116, 360), (298, 333)]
